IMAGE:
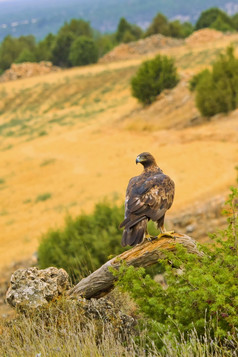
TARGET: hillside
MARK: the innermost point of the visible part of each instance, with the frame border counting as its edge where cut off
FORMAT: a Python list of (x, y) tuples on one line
[(19, 17), (70, 138)]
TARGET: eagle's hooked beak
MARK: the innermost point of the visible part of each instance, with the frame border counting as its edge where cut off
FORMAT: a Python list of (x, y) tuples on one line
[(138, 159)]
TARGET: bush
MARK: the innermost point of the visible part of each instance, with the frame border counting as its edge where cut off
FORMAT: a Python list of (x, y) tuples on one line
[(217, 90), (159, 24), (203, 297), (25, 56), (211, 16), (127, 32), (83, 51), (85, 242), (153, 77), (61, 49), (195, 79)]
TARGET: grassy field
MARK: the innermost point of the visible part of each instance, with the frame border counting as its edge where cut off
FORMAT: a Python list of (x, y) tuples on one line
[(70, 139)]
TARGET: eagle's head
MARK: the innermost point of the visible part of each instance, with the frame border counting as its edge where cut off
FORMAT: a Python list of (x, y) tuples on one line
[(146, 159)]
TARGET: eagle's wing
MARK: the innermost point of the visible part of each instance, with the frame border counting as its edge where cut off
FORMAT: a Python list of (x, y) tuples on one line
[(147, 198)]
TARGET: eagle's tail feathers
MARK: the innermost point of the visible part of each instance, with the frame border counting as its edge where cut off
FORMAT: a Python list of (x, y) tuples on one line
[(137, 237), (128, 223), (134, 235)]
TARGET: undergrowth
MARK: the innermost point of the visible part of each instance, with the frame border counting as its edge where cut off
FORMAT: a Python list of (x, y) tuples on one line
[(201, 293)]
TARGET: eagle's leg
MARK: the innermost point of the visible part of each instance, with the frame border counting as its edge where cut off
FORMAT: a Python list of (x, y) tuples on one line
[(164, 233), (147, 236)]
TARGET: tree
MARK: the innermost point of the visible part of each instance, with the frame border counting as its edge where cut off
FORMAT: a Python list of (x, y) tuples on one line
[(77, 27), (221, 25), (127, 32), (176, 29), (83, 51), (235, 21), (122, 27), (43, 51), (153, 77), (61, 49), (105, 43), (11, 49), (187, 29), (26, 56), (160, 24), (217, 90), (208, 17)]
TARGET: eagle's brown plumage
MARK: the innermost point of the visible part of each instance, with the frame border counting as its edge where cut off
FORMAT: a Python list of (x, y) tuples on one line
[(148, 196)]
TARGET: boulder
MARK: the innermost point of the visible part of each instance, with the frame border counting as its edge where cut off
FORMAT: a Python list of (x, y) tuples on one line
[(31, 288)]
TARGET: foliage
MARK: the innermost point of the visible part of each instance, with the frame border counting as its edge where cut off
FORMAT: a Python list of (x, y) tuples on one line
[(202, 295), (235, 21), (160, 24), (78, 27), (25, 56), (153, 77), (61, 49), (43, 51), (214, 16), (84, 243), (83, 51), (105, 43), (217, 90), (221, 25), (127, 32), (180, 30), (196, 78), (11, 49)]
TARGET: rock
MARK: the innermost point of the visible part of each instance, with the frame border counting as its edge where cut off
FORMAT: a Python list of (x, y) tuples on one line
[(27, 69), (136, 48), (190, 228), (31, 288), (205, 35)]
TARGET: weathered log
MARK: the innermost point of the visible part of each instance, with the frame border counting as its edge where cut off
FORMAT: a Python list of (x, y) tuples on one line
[(101, 281)]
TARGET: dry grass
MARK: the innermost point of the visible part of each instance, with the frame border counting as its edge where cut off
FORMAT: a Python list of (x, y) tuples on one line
[(62, 330)]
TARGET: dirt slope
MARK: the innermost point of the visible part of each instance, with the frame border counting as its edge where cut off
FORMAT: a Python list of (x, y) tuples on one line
[(70, 139)]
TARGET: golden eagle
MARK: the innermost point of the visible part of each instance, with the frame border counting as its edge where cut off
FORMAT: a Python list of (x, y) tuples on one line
[(148, 196)]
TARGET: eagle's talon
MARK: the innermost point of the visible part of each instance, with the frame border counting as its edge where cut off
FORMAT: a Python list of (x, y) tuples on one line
[(148, 238), (169, 234)]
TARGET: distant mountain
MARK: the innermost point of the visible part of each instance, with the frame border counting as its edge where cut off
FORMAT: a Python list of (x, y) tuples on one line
[(23, 17)]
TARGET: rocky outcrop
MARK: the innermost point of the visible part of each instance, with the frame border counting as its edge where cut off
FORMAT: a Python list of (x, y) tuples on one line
[(133, 49), (32, 288), (204, 36), (27, 69)]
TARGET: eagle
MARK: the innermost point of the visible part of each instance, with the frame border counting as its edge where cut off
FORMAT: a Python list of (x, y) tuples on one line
[(148, 197)]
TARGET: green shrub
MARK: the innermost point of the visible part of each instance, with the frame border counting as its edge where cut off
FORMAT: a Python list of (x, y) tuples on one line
[(196, 78), (26, 55), (217, 90), (83, 51), (85, 243), (127, 32), (153, 77), (211, 16), (202, 297)]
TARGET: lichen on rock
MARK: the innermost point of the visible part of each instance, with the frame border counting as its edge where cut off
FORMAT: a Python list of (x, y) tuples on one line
[(32, 288)]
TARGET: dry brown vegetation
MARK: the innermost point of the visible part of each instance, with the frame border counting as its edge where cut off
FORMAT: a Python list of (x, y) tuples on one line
[(69, 139)]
